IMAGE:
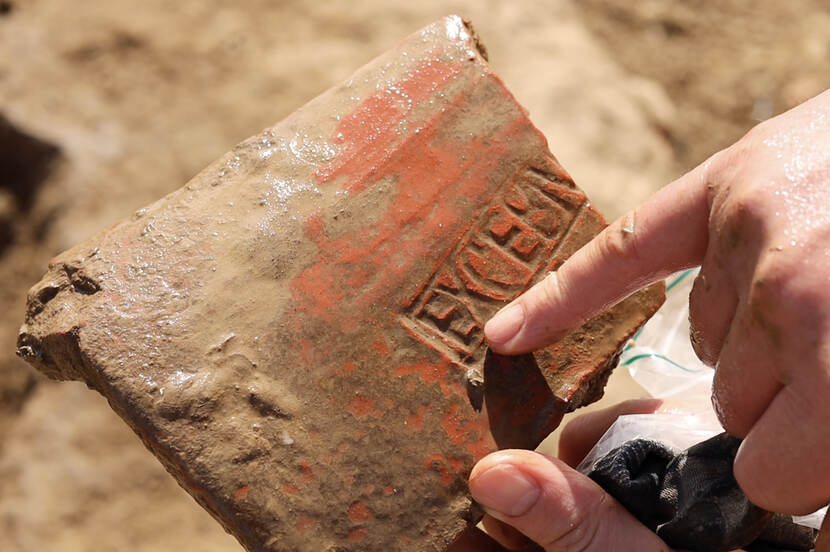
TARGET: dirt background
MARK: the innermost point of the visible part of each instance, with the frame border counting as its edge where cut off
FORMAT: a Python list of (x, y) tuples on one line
[(107, 105)]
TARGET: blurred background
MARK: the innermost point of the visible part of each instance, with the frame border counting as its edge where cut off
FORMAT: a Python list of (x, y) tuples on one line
[(107, 105)]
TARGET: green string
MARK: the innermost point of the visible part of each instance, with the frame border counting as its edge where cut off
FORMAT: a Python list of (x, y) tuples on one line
[(658, 356), (669, 287), (629, 345), (679, 279)]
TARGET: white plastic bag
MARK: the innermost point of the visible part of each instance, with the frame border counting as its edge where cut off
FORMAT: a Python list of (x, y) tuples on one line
[(661, 359)]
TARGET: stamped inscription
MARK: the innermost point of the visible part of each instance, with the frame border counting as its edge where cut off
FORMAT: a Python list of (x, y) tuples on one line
[(507, 248)]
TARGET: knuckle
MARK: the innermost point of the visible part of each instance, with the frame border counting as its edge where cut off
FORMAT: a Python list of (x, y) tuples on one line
[(714, 168), (621, 247), (783, 297), (786, 316), (727, 177), (553, 297), (611, 242), (740, 225), (551, 292), (747, 202), (722, 165), (760, 131), (782, 281)]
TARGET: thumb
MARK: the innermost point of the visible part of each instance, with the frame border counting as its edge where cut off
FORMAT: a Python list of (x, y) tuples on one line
[(556, 506)]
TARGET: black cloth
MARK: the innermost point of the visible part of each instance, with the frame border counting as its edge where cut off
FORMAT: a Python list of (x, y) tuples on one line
[(691, 499)]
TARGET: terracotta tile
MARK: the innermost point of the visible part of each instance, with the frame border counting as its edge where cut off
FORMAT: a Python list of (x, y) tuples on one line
[(297, 333)]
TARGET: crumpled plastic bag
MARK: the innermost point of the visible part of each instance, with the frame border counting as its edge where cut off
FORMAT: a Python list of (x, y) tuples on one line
[(660, 358)]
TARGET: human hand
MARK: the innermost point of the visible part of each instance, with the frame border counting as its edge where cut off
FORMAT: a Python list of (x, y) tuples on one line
[(529, 495), (756, 216)]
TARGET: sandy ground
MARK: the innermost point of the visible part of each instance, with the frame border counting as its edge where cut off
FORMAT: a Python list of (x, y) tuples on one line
[(107, 105)]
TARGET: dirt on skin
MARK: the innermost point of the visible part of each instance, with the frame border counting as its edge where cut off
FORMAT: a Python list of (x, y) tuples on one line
[(115, 106)]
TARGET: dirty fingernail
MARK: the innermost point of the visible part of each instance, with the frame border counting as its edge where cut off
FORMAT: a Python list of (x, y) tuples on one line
[(506, 490), (506, 324)]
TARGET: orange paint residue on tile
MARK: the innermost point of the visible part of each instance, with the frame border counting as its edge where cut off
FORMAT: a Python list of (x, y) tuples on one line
[(359, 512), (438, 464), (357, 535), (349, 367), (370, 133), (426, 166), (381, 347), (363, 407), (429, 373), (305, 525), (416, 420), (307, 473)]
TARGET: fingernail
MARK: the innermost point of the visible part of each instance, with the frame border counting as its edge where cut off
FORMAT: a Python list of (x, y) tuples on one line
[(505, 490), (506, 324)]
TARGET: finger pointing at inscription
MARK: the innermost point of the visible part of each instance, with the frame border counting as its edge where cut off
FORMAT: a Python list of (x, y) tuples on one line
[(666, 234), (756, 217)]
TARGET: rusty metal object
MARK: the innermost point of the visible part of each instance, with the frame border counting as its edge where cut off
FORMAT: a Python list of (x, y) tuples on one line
[(297, 333)]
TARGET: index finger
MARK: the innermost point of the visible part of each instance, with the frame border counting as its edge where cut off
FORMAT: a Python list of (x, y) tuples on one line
[(669, 232)]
